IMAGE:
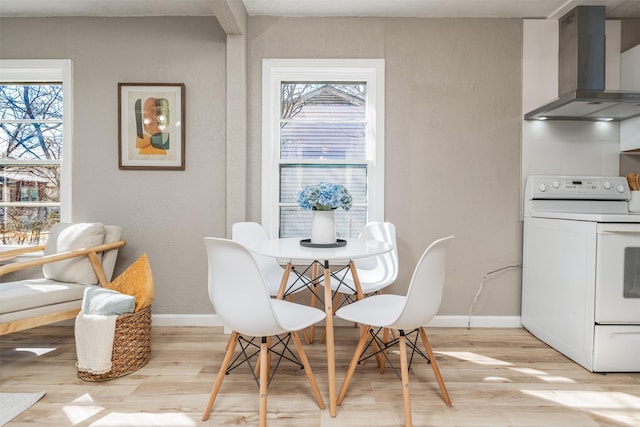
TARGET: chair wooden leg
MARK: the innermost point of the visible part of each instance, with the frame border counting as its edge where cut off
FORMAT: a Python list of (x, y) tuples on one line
[(307, 369), (364, 335), (356, 280), (380, 359), (383, 361), (231, 346), (311, 336), (283, 282), (256, 369), (434, 366), (264, 379), (337, 301), (404, 370)]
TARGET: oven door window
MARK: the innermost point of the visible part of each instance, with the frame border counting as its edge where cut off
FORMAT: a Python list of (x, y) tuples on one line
[(631, 285), (617, 296)]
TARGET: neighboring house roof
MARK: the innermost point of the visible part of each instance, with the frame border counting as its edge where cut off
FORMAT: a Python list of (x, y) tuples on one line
[(331, 95)]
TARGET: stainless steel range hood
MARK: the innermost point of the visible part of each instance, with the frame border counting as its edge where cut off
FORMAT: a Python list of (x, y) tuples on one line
[(581, 74)]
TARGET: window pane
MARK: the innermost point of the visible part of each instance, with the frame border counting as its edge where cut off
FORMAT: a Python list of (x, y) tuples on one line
[(323, 141), (31, 101), (27, 226), (294, 222), (325, 133), (30, 141), (322, 101), (294, 177), (30, 184)]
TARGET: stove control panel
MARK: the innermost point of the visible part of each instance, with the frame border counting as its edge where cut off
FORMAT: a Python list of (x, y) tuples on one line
[(577, 187)]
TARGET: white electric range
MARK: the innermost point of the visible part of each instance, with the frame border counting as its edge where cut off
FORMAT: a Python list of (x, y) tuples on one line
[(581, 270)]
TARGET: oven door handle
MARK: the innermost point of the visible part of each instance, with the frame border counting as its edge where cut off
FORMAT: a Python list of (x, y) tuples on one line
[(615, 228)]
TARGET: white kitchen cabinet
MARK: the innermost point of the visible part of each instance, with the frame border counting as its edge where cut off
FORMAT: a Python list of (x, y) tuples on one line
[(630, 80)]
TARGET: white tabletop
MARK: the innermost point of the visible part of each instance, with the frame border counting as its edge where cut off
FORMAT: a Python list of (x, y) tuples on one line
[(290, 248)]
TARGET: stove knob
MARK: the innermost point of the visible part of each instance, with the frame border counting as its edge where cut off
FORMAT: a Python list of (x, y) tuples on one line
[(542, 187), (606, 185), (620, 188), (555, 184)]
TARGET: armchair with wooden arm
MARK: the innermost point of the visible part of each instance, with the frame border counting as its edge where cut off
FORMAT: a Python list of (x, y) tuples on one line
[(75, 255)]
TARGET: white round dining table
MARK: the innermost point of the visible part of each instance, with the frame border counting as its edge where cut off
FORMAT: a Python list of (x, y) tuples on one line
[(291, 249)]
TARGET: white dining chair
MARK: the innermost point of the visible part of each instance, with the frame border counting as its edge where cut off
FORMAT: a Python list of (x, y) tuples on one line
[(406, 314), (376, 272), (248, 233), (240, 298)]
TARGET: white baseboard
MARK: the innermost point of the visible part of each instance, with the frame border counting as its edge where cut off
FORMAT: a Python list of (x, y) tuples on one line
[(476, 322), (437, 322), (185, 320)]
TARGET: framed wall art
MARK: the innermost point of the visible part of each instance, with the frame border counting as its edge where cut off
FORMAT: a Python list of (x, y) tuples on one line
[(151, 126)]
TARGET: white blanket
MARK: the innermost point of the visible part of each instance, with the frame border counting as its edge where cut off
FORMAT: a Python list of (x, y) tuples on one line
[(94, 342)]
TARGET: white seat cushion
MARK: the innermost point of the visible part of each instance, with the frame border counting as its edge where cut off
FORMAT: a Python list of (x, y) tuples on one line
[(26, 294), (377, 310)]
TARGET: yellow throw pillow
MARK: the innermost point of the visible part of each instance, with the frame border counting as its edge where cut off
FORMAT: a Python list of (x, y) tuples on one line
[(137, 281)]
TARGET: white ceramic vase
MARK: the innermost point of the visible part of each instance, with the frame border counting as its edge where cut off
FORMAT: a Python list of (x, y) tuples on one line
[(323, 227)]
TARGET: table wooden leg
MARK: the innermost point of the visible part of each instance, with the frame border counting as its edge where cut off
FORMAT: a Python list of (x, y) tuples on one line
[(314, 300), (336, 303), (331, 357), (285, 279)]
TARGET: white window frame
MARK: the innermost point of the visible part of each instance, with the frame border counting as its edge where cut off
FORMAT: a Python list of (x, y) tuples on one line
[(50, 70), (275, 71)]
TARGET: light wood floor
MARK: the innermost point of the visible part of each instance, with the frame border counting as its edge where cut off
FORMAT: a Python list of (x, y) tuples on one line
[(496, 377)]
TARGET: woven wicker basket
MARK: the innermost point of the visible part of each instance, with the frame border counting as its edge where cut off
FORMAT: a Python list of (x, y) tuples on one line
[(131, 346)]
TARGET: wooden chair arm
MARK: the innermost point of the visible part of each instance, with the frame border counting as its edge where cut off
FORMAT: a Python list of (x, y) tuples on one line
[(12, 253), (90, 252)]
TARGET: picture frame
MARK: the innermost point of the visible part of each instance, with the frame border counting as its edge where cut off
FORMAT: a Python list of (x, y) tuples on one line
[(151, 126)]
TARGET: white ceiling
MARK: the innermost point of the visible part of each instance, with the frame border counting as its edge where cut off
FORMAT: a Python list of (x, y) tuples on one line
[(551, 9)]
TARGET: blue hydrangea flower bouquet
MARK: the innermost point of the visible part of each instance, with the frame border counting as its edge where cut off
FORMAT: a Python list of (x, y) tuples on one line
[(325, 197), (322, 199)]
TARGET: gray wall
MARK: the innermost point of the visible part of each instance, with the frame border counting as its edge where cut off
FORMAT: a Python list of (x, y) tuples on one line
[(453, 96), (164, 213), (452, 137)]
